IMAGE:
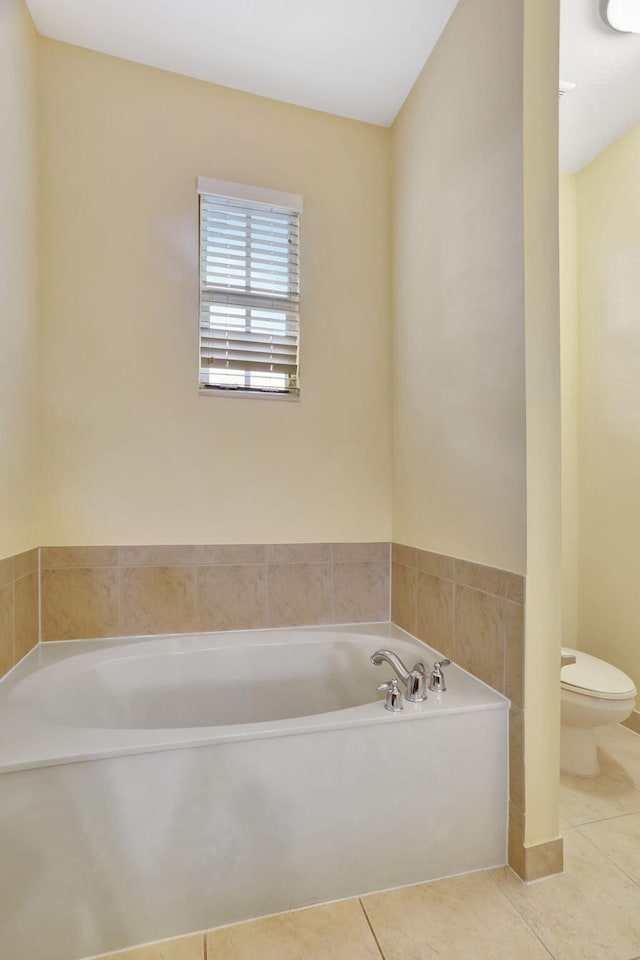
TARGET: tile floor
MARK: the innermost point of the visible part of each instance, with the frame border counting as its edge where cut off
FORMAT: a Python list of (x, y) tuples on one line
[(591, 912)]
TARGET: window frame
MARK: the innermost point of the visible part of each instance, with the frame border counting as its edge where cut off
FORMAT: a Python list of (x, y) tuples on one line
[(207, 186)]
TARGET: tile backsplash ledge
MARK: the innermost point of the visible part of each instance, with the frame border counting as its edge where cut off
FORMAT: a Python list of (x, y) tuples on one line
[(79, 592), (135, 590)]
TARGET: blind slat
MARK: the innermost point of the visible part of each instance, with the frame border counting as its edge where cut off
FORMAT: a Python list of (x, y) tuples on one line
[(245, 297), (217, 348), (231, 255), (248, 341), (250, 366)]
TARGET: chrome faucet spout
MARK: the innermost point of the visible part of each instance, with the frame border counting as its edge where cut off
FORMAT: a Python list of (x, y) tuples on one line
[(414, 680), (393, 660)]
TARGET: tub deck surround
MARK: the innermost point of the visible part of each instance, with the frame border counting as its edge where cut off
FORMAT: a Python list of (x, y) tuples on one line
[(160, 831), (134, 590), (19, 616), (475, 615)]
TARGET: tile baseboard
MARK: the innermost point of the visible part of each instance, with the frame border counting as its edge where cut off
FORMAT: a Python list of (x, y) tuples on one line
[(536, 861), (633, 722)]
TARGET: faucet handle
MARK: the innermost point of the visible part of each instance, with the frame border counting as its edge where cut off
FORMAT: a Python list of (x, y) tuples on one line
[(436, 681), (394, 698)]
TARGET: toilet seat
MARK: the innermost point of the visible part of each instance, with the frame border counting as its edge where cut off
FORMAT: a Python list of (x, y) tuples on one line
[(592, 677)]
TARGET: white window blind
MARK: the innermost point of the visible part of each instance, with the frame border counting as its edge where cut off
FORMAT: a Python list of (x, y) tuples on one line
[(249, 293)]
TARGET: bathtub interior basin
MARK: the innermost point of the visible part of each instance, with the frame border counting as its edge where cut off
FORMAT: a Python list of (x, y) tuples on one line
[(141, 688)]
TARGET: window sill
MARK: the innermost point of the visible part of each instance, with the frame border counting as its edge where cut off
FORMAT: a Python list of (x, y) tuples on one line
[(249, 395)]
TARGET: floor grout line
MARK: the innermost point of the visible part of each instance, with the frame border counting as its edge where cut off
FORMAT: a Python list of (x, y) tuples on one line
[(615, 816), (526, 922), (204, 946), (370, 925), (607, 857)]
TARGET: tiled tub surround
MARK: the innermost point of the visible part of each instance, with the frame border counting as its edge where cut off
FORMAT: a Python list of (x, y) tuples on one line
[(135, 590), (475, 615), (18, 608)]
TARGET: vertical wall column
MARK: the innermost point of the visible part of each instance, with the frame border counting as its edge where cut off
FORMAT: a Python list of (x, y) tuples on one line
[(539, 823)]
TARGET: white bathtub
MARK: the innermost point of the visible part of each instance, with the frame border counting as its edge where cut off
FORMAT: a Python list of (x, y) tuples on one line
[(161, 786)]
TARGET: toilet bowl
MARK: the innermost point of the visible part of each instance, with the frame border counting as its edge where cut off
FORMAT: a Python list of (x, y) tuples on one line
[(593, 693)]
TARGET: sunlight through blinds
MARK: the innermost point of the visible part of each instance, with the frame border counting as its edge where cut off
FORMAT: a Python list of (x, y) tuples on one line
[(249, 296)]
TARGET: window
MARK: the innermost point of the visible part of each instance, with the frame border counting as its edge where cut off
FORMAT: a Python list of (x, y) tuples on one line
[(249, 290)]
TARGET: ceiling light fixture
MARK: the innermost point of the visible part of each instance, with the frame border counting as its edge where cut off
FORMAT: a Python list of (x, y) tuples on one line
[(623, 15)]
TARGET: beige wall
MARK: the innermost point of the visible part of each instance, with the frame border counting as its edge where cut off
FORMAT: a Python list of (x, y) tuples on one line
[(459, 405), (18, 277), (570, 384), (475, 277), (543, 615), (609, 442), (131, 453)]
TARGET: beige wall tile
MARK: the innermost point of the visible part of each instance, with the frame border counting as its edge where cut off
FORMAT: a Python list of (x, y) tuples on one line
[(516, 853), (502, 583), (536, 862), (360, 591), (544, 860), (434, 611), (435, 563), (401, 553), (7, 571), (6, 628), (52, 558), (79, 604), (26, 563), (156, 555), (514, 587), (157, 600), (514, 652), (633, 722), (298, 552), (334, 931), (403, 596), (516, 758), (479, 639), (298, 594), (229, 553), (231, 597), (26, 605), (360, 551), (183, 948), (462, 918), (488, 579)]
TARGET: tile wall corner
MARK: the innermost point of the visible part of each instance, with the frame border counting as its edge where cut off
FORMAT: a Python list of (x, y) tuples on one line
[(19, 608), (475, 615)]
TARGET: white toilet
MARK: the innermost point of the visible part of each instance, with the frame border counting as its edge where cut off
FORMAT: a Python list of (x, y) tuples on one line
[(593, 694)]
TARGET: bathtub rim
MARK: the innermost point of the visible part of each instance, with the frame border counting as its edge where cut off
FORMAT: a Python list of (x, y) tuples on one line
[(18, 725)]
